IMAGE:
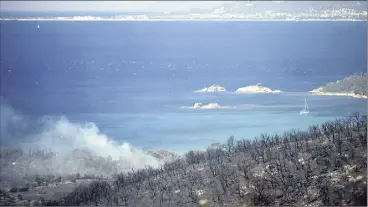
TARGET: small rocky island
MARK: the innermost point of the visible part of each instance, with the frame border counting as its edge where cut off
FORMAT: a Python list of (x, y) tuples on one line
[(206, 106), (258, 88), (212, 89)]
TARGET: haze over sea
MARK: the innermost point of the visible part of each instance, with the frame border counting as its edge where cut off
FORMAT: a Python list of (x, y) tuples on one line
[(129, 79)]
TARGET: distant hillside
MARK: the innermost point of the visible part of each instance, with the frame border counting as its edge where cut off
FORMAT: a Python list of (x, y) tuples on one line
[(355, 85), (293, 10), (289, 6)]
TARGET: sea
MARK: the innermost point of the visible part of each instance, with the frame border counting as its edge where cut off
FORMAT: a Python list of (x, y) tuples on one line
[(112, 85)]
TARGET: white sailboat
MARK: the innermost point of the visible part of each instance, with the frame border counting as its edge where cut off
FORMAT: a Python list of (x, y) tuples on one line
[(38, 26), (306, 109)]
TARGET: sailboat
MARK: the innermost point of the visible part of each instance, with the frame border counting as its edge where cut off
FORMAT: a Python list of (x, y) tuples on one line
[(306, 109), (38, 26)]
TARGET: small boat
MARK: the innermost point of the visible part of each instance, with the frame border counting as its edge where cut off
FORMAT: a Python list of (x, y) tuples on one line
[(306, 109), (38, 26)]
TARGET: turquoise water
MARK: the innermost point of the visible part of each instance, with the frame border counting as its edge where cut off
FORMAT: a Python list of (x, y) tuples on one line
[(129, 79)]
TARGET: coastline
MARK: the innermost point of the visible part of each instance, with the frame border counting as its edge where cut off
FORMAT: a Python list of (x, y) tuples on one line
[(185, 19), (354, 95)]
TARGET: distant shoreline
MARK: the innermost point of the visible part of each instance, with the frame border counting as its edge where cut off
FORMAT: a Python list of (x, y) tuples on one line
[(354, 95), (188, 19)]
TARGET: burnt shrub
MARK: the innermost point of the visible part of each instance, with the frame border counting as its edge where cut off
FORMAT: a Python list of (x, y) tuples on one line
[(23, 189), (13, 190)]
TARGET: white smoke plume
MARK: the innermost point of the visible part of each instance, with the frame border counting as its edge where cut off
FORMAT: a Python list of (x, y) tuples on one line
[(80, 148)]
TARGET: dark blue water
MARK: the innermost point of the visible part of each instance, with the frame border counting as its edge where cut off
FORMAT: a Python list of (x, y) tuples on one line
[(130, 78)]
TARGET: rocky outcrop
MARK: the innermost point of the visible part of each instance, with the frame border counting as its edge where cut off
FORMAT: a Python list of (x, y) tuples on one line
[(212, 89), (258, 88)]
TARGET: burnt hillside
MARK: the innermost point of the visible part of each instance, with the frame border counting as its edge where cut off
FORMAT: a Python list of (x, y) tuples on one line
[(324, 166)]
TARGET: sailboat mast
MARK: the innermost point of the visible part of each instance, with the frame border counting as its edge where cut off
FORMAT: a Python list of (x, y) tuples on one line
[(306, 105)]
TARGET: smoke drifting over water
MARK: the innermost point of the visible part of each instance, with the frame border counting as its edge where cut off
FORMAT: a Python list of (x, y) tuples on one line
[(69, 140)]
